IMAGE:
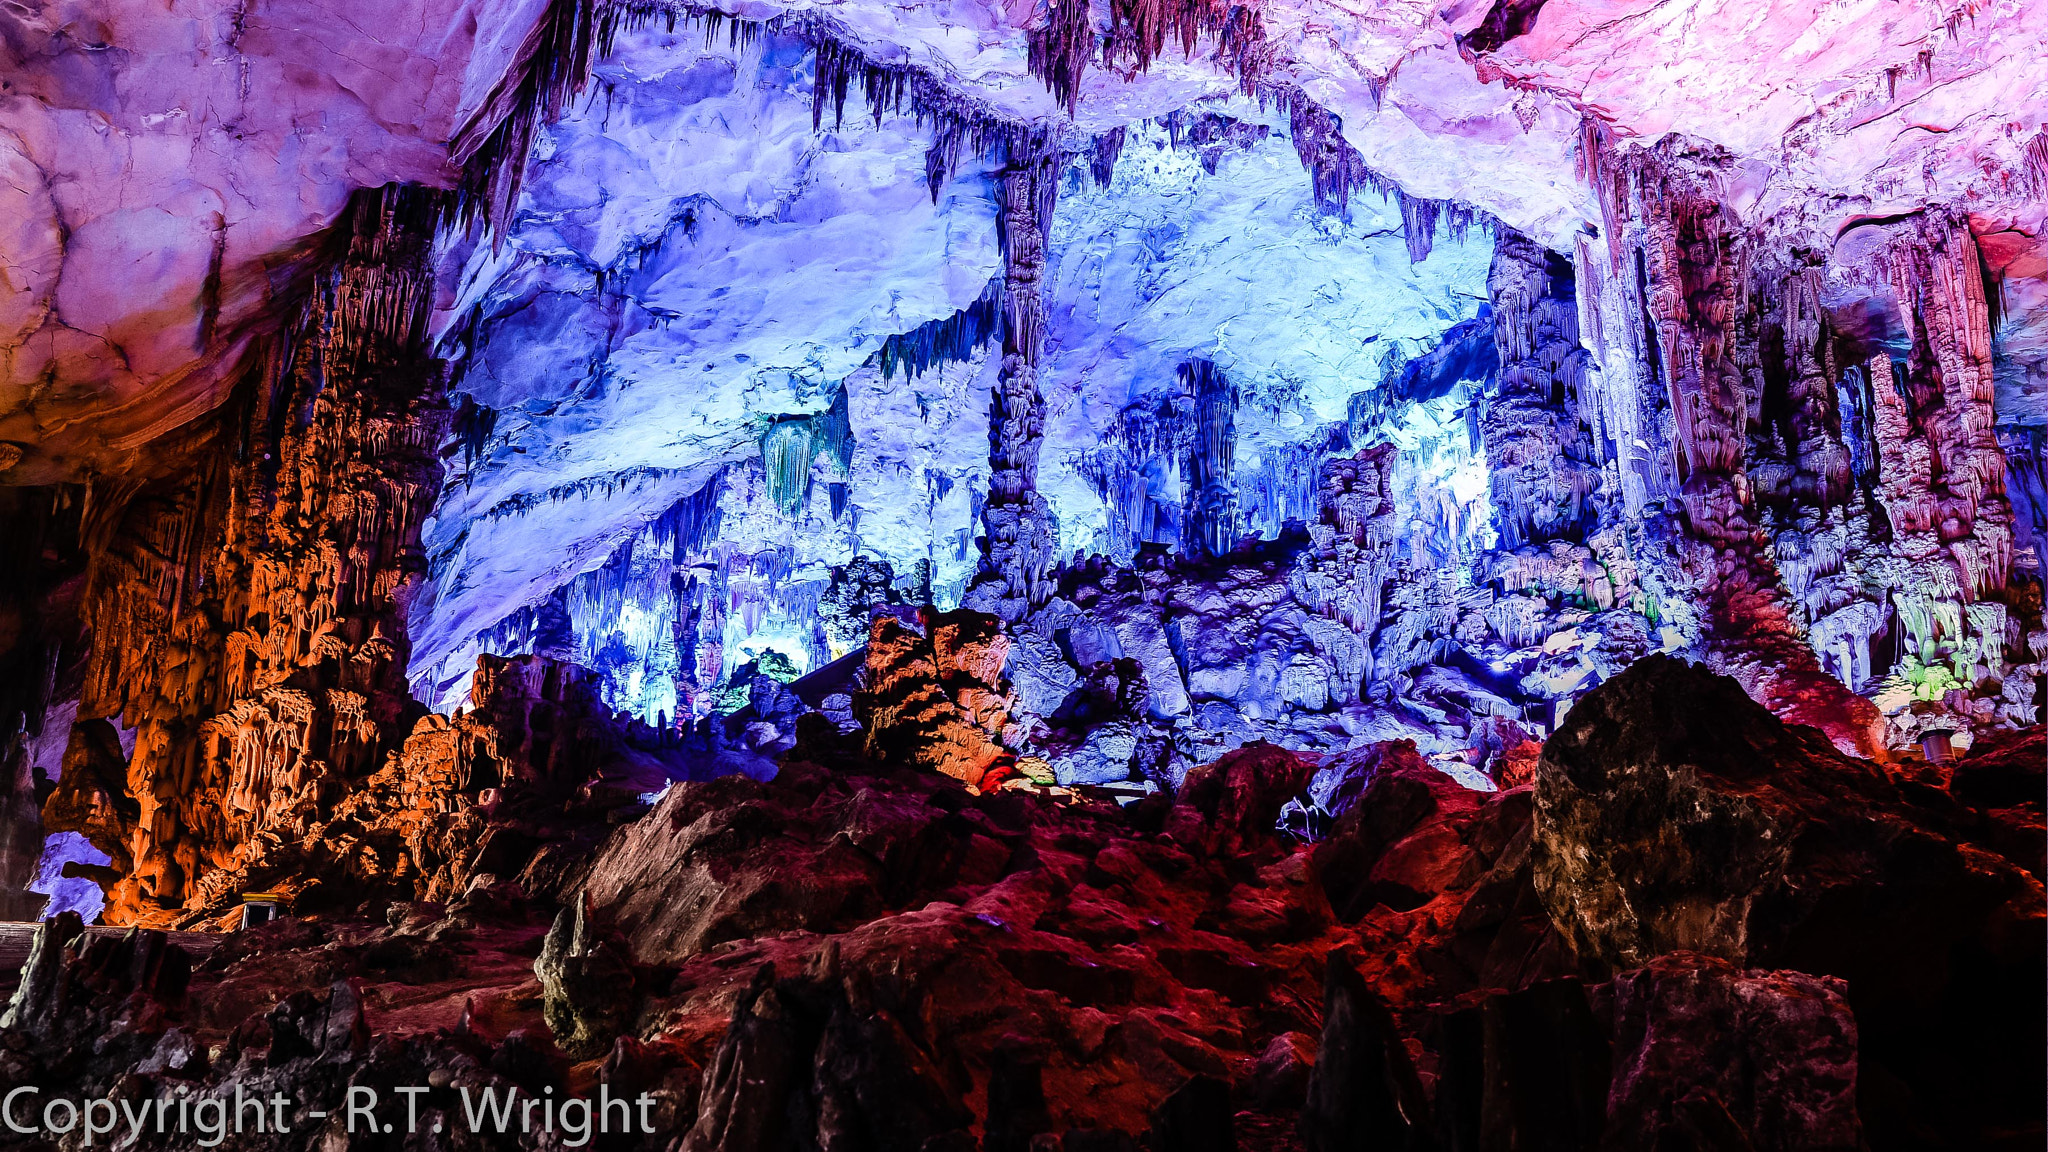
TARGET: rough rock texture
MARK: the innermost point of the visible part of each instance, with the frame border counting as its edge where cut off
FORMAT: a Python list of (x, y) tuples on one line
[(934, 695), (1000, 948), (587, 986), (166, 171), (301, 1009), (862, 954), (1708, 1053), (1673, 813)]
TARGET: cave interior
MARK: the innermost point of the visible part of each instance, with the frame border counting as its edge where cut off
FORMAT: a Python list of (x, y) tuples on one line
[(934, 576)]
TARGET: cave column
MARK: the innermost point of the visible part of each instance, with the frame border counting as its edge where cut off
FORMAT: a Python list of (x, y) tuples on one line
[(1715, 326), (1210, 517), (1017, 522), (1542, 481), (249, 611)]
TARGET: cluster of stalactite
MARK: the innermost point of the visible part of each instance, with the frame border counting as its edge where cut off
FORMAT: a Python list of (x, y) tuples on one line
[(955, 339), (1336, 170), (651, 620), (247, 613), (1538, 451), (634, 619), (1345, 573), (553, 67), (1696, 319), (1840, 513), (1167, 472), (1059, 48), (1140, 31), (1135, 470), (453, 797), (1210, 134), (1675, 453)]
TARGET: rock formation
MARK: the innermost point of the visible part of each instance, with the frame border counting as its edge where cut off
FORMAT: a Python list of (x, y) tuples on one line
[(1018, 546), (876, 953), (246, 612), (945, 577), (933, 694), (1673, 814)]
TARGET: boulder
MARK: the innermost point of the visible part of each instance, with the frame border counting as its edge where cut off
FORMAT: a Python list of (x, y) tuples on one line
[(586, 986), (1703, 1050), (1239, 796), (1673, 813)]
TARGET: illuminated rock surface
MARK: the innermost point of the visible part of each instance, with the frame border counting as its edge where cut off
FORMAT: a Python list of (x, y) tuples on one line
[(932, 961), (937, 576)]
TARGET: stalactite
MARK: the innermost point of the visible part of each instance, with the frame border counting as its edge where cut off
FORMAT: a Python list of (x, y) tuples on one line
[(1211, 516), (1059, 48), (787, 450), (2034, 164), (1336, 170), (473, 424), (955, 339), (1103, 151), (791, 444), (1140, 30)]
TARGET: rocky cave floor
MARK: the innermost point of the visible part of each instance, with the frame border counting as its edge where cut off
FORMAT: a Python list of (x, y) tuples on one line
[(1698, 927)]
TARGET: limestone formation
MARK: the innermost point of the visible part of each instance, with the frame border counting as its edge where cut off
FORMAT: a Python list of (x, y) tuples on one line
[(1033, 577)]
